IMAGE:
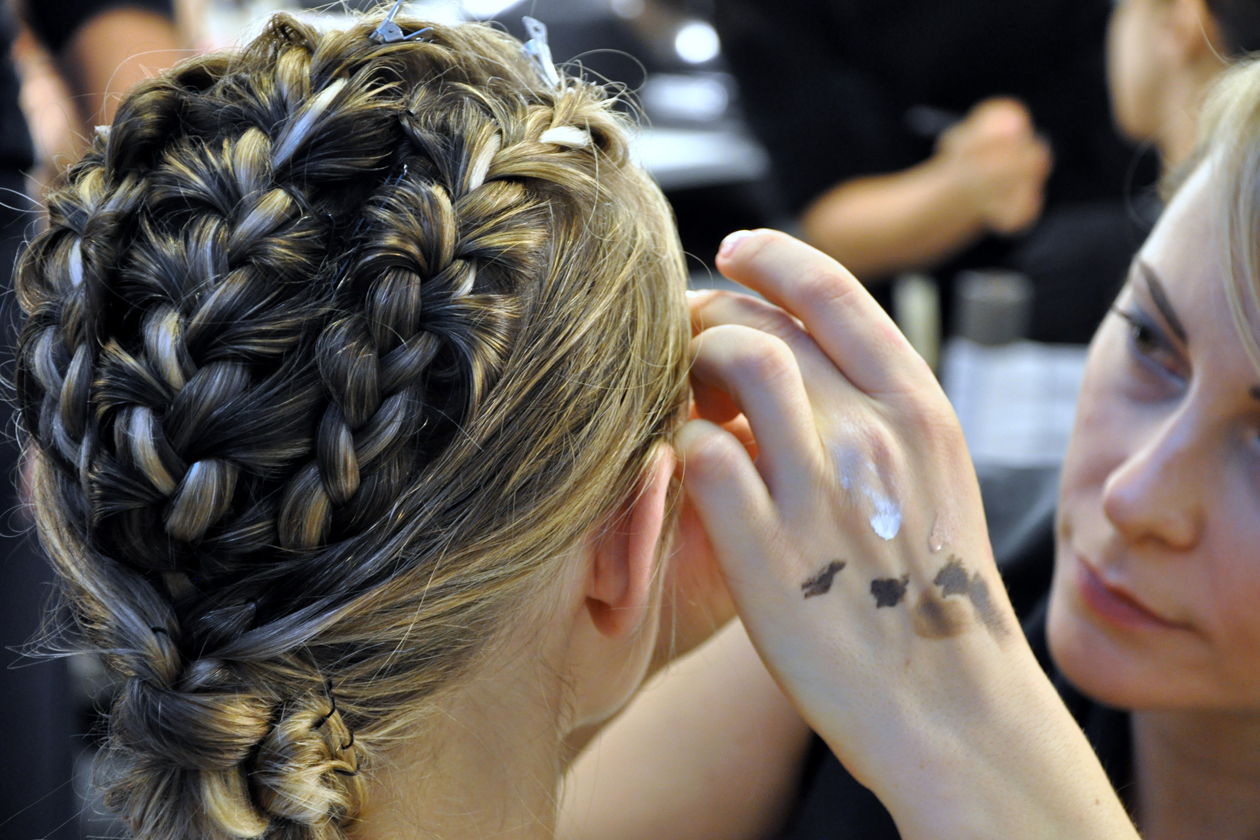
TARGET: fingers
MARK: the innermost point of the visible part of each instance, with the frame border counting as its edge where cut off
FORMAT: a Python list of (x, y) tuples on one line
[(728, 493), (719, 308), (1003, 115), (851, 328), (762, 377)]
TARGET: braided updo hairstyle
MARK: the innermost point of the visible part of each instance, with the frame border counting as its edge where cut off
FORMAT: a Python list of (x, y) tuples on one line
[(333, 349)]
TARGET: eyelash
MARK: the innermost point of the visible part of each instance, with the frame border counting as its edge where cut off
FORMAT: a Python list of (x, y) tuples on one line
[(1148, 341)]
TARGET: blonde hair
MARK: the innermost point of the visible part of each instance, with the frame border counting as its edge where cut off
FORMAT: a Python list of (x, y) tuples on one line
[(332, 350), (1230, 142)]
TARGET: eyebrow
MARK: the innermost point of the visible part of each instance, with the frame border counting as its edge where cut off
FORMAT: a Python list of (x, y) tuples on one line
[(1160, 298)]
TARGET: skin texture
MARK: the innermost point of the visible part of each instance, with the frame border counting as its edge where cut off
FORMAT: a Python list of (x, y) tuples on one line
[(1155, 585)]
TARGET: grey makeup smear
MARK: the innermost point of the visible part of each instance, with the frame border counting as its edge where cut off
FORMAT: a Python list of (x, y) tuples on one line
[(953, 579), (820, 584)]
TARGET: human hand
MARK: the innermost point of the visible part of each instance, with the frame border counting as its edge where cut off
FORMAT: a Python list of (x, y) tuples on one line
[(696, 602), (825, 537), (999, 162), (855, 548)]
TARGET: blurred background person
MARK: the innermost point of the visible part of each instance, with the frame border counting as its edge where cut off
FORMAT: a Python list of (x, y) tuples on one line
[(911, 135), (1163, 56), (97, 49)]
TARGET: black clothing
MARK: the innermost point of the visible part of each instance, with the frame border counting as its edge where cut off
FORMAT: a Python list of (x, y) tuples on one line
[(56, 23), (17, 153), (837, 89), (832, 805)]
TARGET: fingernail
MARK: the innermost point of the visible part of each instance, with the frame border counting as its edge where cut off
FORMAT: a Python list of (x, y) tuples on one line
[(731, 241)]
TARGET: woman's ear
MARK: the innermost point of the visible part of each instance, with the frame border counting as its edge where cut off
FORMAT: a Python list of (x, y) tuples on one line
[(626, 552)]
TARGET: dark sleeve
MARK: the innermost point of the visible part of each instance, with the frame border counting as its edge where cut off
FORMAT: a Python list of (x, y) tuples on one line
[(833, 805), (823, 118), (55, 23)]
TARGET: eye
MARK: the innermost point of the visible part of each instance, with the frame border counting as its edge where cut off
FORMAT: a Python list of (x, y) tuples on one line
[(1151, 346)]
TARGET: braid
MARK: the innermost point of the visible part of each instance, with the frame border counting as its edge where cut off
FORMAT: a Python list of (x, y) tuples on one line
[(303, 318)]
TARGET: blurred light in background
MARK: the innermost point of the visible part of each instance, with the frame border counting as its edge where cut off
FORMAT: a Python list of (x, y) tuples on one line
[(697, 42), (678, 98)]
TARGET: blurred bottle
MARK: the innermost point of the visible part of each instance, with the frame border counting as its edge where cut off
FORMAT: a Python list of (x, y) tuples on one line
[(992, 307)]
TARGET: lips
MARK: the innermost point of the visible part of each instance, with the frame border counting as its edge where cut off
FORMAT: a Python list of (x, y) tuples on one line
[(1115, 605)]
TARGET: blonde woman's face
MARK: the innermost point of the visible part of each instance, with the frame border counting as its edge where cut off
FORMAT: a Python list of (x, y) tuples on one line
[(1156, 594)]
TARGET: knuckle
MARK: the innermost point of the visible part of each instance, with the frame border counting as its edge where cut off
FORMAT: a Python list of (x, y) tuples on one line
[(707, 306), (825, 286), (711, 457), (767, 360), (766, 317), (934, 422)]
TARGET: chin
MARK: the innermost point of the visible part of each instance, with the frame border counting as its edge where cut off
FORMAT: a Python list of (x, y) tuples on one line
[(1103, 667)]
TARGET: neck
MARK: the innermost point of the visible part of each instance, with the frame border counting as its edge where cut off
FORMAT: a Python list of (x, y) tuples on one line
[(483, 766), (1197, 774)]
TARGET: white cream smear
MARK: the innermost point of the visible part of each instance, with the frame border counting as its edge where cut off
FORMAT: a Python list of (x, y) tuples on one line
[(859, 477)]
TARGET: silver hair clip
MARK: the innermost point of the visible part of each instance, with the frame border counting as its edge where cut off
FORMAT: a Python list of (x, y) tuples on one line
[(538, 51), (391, 33)]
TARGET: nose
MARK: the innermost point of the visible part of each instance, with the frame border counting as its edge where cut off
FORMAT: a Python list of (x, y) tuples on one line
[(1156, 492)]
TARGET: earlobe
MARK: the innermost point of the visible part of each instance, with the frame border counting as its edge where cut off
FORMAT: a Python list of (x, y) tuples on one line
[(624, 565)]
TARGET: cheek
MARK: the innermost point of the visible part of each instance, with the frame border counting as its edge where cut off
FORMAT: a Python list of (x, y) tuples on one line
[(1230, 616), (1099, 442)]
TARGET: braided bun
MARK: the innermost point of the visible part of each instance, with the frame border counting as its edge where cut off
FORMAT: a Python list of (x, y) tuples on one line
[(332, 348)]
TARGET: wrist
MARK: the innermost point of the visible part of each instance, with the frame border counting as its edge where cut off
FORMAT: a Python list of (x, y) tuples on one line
[(1009, 762), (955, 186)]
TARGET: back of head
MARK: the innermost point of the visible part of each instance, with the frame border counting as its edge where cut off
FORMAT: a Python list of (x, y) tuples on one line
[(333, 348)]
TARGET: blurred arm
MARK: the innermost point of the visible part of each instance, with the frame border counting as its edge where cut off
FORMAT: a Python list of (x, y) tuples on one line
[(879, 225), (987, 174)]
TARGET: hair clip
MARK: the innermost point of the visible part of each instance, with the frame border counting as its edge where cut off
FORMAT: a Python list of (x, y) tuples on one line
[(538, 51), (391, 33)]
